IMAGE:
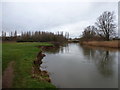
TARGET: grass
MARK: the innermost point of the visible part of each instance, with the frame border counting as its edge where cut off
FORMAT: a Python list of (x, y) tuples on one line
[(111, 44), (23, 54)]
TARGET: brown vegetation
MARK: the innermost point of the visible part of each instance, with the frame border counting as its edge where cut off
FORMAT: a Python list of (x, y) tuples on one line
[(112, 44), (37, 36), (37, 72), (101, 48)]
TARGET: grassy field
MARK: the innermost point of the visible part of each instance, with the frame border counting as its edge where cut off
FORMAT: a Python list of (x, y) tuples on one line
[(111, 44), (23, 55)]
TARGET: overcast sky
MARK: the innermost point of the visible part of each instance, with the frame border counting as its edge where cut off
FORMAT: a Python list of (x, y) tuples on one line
[(70, 17)]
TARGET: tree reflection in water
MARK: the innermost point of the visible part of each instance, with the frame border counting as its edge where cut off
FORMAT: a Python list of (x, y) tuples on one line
[(105, 64), (54, 50), (102, 58)]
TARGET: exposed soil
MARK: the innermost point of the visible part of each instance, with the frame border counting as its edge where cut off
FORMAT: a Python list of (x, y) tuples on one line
[(36, 71), (8, 75), (7, 78)]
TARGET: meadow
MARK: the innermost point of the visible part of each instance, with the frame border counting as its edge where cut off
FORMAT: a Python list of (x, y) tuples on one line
[(22, 54)]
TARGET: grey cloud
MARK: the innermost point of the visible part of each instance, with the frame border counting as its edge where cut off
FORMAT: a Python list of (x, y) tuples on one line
[(48, 16)]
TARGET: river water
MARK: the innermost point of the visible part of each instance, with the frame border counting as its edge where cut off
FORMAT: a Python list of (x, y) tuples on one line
[(75, 66)]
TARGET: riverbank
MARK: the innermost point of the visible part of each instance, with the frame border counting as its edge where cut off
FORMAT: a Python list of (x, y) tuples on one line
[(110, 44), (23, 55)]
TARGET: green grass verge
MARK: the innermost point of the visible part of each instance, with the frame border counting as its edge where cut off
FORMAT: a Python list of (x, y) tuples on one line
[(23, 54)]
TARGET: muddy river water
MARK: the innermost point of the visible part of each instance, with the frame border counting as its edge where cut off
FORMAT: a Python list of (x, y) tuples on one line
[(75, 66)]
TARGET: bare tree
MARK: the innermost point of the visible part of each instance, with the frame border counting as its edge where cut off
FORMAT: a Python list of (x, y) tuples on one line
[(3, 35), (15, 33), (11, 34), (89, 32), (106, 25), (41, 36)]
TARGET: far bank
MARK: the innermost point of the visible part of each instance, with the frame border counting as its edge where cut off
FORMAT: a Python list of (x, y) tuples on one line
[(111, 44)]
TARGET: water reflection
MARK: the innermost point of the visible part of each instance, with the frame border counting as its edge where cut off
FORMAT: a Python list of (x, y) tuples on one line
[(104, 64), (54, 50), (103, 60), (75, 66)]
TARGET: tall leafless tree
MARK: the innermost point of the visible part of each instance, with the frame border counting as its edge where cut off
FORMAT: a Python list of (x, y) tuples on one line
[(89, 32), (106, 25), (15, 33)]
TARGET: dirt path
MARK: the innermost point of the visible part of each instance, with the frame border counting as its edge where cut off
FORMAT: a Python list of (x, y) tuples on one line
[(7, 78)]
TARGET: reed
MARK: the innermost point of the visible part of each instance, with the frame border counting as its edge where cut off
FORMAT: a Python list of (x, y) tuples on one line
[(112, 44)]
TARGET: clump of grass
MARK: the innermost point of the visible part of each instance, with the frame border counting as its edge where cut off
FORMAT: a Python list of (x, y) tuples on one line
[(23, 54)]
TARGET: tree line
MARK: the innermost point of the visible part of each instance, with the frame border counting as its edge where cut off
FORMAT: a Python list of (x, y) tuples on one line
[(37, 36), (104, 28)]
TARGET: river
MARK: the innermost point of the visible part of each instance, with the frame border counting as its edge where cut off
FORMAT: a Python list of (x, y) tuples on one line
[(75, 66)]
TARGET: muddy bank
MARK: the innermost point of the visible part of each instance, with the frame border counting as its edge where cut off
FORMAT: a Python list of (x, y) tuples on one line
[(37, 73), (44, 48), (110, 44), (49, 49)]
